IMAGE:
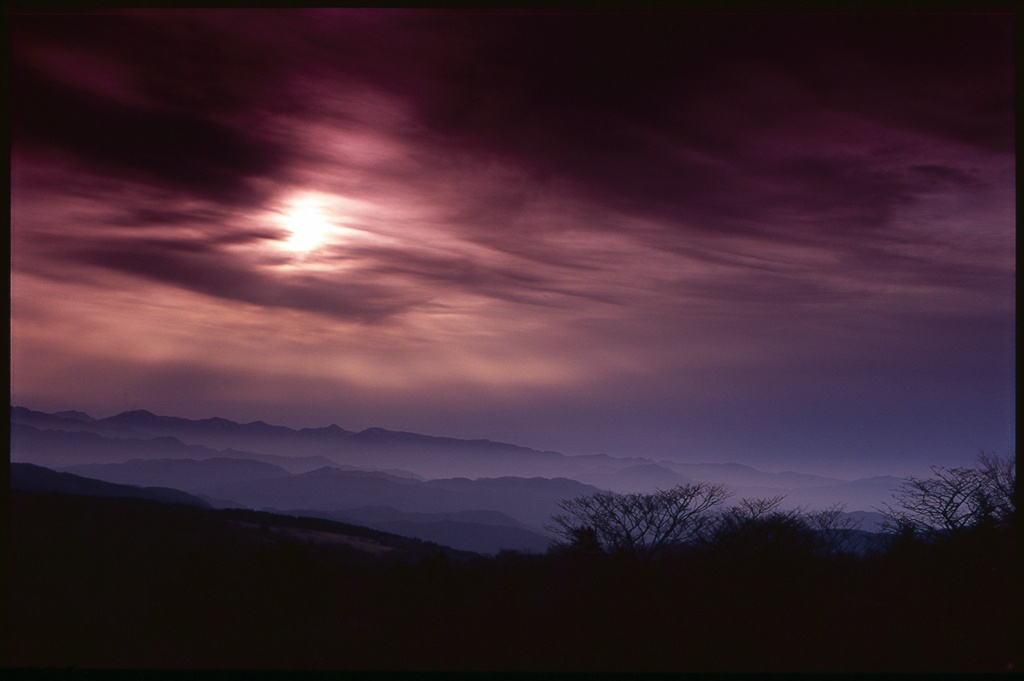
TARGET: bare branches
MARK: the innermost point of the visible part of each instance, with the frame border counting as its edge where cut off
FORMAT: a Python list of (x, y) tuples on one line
[(955, 499), (641, 525), (760, 527), (836, 531), (1000, 476), (646, 526)]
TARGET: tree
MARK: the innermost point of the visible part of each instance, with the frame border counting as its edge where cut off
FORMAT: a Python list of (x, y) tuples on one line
[(640, 525), (1000, 485), (758, 527), (957, 499), (836, 531)]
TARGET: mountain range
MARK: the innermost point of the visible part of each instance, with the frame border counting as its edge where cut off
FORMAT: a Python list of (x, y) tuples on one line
[(412, 484)]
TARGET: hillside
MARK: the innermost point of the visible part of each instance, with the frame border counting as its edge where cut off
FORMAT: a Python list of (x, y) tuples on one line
[(335, 471), (38, 480), (487, 532), (105, 582), (31, 478)]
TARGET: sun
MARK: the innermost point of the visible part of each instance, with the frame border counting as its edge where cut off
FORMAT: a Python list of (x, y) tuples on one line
[(309, 221), (308, 225)]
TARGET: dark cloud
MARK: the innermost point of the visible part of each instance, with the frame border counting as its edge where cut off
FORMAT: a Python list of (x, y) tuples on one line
[(144, 98), (162, 217), (934, 176), (649, 114), (743, 233), (188, 153), (613, 100), (199, 267), (502, 283)]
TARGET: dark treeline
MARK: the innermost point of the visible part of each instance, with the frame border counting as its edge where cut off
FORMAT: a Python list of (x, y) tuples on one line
[(109, 582)]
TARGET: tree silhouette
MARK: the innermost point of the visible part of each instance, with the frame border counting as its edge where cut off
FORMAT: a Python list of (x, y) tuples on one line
[(956, 499), (758, 527), (639, 525), (836, 531), (999, 474)]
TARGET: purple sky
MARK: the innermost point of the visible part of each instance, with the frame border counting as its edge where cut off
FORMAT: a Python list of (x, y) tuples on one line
[(786, 241)]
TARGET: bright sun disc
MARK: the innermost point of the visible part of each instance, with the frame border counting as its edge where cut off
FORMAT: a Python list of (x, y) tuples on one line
[(307, 225)]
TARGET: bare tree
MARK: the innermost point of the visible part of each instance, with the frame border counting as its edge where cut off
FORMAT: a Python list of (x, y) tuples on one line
[(1000, 476), (641, 525), (948, 501), (760, 527), (955, 499), (836, 531)]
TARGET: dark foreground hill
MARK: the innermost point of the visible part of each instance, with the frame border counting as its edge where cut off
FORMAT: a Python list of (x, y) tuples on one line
[(487, 532), (134, 583), (31, 478)]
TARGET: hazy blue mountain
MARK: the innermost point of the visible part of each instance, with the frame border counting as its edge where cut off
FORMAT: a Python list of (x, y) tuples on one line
[(642, 477), (191, 475), (738, 475), (59, 448), (293, 464), (32, 478), (859, 495), (865, 494), (870, 521), (213, 432), (371, 449), (376, 447), (71, 414), (331, 488), (387, 514), (71, 438), (68, 421), (531, 501)]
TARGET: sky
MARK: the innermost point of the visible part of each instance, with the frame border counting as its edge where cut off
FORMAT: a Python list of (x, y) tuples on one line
[(786, 241)]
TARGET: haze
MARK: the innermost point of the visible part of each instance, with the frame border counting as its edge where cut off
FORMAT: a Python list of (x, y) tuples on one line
[(785, 241)]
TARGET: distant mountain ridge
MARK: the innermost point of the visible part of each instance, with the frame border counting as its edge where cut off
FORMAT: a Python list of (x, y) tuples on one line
[(186, 474), (60, 448), (373, 448), (71, 438), (424, 455), (738, 474)]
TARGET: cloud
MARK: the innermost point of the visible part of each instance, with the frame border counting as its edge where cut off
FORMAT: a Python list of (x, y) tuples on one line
[(661, 114), (619, 218), (191, 154), (197, 267)]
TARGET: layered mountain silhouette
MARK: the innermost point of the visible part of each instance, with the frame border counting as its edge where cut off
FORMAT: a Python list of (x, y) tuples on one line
[(399, 453), (60, 447), (201, 476), (423, 481), (253, 484), (373, 448)]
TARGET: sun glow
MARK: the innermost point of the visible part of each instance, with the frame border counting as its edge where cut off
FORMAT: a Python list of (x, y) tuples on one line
[(315, 220), (308, 225)]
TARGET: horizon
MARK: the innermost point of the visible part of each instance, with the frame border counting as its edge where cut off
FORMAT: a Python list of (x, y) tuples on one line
[(922, 472), (783, 241)]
